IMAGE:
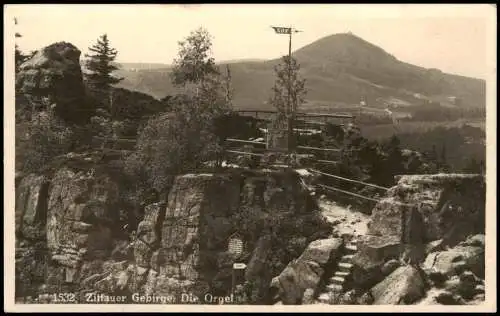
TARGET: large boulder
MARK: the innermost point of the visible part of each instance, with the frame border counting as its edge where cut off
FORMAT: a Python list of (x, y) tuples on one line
[(307, 271), (468, 255), (424, 208), (402, 287), (54, 74), (369, 261)]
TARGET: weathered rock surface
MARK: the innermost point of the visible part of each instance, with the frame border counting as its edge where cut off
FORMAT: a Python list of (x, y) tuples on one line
[(424, 208), (390, 266), (31, 207), (373, 253), (307, 271), (178, 246), (148, 234), (54, 73), (81, 215), (402, 287), (457, 259)]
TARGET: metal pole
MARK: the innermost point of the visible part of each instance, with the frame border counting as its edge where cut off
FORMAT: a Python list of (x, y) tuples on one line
[(233, 281)]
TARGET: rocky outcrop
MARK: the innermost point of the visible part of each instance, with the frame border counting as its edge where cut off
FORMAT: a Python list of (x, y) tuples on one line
[(307, 271), (54, 74), (179, 246), (196, 227), (64, 225), (468, 255), (434, 222), (148, 236), (373, 253), (31, 207), (81, 213), (402, 287), (424, 208)]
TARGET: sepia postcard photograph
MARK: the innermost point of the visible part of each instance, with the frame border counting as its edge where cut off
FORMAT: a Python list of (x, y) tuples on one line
[(250, 157)]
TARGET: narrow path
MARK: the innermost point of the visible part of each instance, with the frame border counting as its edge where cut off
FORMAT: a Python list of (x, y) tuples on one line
[(344, 222)]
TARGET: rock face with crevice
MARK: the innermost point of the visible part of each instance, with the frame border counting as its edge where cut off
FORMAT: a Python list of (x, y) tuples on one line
[(31, 207), (467, 255), (427, 231), (180, 245), (307, 271), (423, 208), (31, 255), (373, 253), (71, 238), (65, 223)]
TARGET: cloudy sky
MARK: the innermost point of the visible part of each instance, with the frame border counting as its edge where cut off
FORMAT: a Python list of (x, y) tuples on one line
[(453, 38)]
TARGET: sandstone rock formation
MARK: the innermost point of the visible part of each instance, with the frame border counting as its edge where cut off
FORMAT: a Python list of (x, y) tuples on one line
[(468, 255), (31, 207), (307, 271), (373, 253), (402, 287), (178, 246), (54, 74), (435, 222), (424, 208)]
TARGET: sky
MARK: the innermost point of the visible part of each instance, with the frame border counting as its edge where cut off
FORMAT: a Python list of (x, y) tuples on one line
[(453, 38)]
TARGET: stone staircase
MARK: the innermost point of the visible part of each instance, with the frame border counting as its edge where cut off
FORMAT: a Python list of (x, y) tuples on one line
[(338, 283)]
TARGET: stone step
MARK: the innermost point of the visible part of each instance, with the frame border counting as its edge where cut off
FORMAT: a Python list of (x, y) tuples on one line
[(351, 247), (343, 274), (337, 280), (336, 288), (343, 266), (347, 258), (324, 298)]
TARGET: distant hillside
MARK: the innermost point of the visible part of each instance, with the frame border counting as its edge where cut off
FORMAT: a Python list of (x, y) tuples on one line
[(339, 70), (241, 60), (142, 66)]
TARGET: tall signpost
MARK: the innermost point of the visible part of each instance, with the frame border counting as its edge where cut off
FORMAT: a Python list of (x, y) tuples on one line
[(289, 110)]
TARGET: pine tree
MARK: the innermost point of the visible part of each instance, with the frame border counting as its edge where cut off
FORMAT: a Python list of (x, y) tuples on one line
[(100, 67), (288, 94), (287, 75)]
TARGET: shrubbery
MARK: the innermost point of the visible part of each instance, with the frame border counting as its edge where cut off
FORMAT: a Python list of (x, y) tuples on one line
[(45, 138)]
